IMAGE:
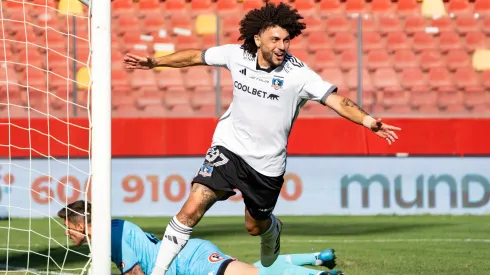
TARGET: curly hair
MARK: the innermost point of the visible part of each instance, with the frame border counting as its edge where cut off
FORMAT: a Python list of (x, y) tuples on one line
[(270, 15)]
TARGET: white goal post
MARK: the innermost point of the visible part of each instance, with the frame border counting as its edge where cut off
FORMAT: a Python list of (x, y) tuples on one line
[(55, 133), (101, 135)]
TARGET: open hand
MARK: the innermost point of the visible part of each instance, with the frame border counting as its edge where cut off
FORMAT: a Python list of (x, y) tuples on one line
[(137, 62), (384, 130)]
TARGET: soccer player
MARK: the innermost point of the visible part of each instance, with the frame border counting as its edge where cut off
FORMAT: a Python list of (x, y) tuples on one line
[(248, 150), (134, 251)]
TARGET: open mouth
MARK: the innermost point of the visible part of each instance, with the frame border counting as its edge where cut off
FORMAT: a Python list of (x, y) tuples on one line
[(279, 56)]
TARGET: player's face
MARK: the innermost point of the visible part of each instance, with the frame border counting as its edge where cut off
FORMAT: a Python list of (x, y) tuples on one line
[(274, 44), (76, 232)]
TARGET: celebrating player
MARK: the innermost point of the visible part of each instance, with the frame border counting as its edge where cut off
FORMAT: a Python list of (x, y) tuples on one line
[(248, 150), (134, 251)]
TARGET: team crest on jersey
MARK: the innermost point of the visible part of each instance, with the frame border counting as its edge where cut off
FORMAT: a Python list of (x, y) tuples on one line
[(206, 171), (215, 257), (277, 83)]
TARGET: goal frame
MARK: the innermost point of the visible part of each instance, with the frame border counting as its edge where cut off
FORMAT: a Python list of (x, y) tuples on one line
[(100, 136)]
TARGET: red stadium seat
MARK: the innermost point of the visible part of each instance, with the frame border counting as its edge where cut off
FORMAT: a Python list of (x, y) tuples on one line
[(467, 79), (397, 41), (201, 6), (450, 99), (372, 41), (424, 41), (482, 7), (431, 59), (352, 80), (230, 24), (382, 6), (466, 23), (459, 7), (182, 110), (407, 7), (485, 77), (330, 7), (449, 41), (175, 98), (415, 24), (403, 59), (475, 41), (444, 24), (355, 6), (251, 4), (395, 99), (419, 100), (343, 41), (486, 25), (378, 59), (174, 6), (440, 79), (142, 79), (348, 60), (170, 78), (389, 24), (149, 7), (334, 76), (386, 79), (335, 24), (476, 98), (414, 80), (154, 22), (180, 21), (198, 77), (325, 59), (203, 98), (305, 7), (318, 41), (227, 7), (458, 59), (186, 42), (314, 24)]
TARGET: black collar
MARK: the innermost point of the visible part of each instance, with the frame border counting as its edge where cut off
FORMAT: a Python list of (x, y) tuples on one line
[(258, 68)]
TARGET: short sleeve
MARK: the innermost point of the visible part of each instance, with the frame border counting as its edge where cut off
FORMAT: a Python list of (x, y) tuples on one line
[(219, 55), (315, 88), (123, 255)]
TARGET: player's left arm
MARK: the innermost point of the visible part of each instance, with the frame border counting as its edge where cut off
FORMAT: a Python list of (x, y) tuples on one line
[(346, 108), (317, 89)]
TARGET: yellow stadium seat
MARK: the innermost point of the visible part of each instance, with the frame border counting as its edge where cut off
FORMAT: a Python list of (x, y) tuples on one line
[(433, 8), (70, 7), (205, 24), (83, 78), (481, 60), (162, 53)]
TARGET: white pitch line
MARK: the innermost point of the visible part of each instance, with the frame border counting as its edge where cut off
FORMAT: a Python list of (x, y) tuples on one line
[(284, 240), (23, 269)]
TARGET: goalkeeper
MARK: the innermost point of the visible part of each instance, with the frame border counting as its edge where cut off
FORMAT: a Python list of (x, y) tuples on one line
[(134, 251)]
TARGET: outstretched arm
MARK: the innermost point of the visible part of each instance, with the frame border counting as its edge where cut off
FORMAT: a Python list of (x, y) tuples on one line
[(345, 107), (180, 59)]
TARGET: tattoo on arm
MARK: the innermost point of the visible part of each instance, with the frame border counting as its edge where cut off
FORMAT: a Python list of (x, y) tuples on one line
[(349, 103), (136, 270)]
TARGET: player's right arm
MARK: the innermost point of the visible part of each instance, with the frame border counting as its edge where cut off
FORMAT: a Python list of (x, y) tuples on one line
[(214, 56), (136, 270), (180, 59)]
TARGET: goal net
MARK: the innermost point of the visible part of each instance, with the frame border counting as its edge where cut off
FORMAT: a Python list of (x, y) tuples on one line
[(46, 133)]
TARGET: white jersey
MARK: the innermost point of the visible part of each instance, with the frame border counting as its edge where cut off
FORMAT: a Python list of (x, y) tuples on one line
[(265, 105)]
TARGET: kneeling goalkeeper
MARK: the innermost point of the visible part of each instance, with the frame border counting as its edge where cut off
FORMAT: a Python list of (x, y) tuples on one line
[(134, 251)]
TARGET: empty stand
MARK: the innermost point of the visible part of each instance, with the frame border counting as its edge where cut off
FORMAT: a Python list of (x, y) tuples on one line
[(414, 61)]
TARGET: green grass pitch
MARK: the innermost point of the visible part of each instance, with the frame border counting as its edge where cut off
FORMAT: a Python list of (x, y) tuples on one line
[(365, 245)]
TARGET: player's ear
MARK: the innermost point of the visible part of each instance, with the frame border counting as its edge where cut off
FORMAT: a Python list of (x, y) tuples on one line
[(257, 40)]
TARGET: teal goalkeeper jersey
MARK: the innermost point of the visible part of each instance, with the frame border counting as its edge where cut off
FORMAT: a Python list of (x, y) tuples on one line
[(131, 246)]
